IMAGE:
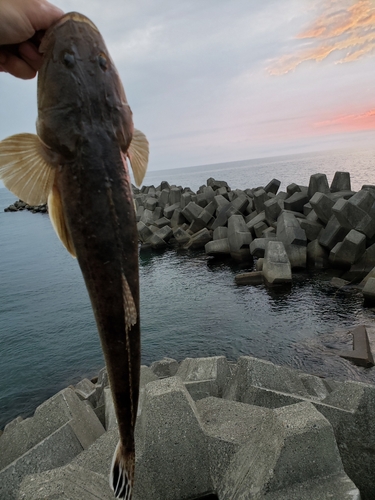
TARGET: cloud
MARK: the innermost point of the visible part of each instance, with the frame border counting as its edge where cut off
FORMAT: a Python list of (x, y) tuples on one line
[(348, 122), (345, 29)]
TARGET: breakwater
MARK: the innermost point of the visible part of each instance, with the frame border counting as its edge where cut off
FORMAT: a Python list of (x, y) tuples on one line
[(319, 226), (206, 428)]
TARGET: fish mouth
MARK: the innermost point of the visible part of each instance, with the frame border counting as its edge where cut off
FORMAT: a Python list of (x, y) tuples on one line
[(74, 16), (70, 16)]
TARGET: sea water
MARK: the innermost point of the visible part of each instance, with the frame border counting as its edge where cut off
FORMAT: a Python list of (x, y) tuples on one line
[(190, 305)]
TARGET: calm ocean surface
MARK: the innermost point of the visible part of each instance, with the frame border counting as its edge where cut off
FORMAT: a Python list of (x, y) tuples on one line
[(190, 305)]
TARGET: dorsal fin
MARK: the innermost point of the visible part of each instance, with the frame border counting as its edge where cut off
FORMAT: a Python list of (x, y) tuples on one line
[(138, 153), (24, 170), (130, 308)]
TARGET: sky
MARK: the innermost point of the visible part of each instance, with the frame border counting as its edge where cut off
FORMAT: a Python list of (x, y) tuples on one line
[(212, 81)]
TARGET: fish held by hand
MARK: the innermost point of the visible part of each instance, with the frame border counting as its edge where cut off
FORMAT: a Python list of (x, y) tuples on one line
[(78, 162)]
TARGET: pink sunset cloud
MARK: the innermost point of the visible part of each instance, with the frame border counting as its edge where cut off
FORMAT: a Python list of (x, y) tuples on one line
[(345, 29)]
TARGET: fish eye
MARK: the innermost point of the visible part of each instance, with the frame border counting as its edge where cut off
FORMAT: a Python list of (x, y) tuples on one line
[(103, 62), (69, 60)]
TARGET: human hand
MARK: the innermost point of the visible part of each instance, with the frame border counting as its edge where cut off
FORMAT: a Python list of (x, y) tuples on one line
[(22, 25)]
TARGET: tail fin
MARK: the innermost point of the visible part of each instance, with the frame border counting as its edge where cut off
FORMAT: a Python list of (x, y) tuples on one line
[(122, 473)]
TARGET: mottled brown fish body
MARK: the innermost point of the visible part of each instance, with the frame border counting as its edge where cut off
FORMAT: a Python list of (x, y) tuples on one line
[(97, 202), (78, 161)]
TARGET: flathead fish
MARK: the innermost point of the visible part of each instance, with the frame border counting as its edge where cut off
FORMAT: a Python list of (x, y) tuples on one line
[(78, 162)]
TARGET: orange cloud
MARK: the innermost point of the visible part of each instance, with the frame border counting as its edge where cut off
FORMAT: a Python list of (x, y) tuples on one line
[(360, 121), (350, 28)]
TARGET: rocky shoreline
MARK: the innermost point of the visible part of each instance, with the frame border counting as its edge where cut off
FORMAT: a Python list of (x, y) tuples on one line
[(19, 206), (206, 428)]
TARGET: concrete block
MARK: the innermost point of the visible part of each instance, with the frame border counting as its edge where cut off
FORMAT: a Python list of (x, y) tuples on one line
[(177, 218), (64, 407), (147, 217), (272, 209), (86, 390), (11, 425), (181, 235), (340, 182), (239, 235), (322, 205), (269, 232), (168, 210), (66, 483), (272, 186), (252, 278), (204, 377), (259, 228), (147, 376), (276, 265), (307, 209), (361, 354), (345, 253), (260, 197), (362, 267), (318, 183), (56, 450), (262, 383), (163, 199), (254, 220), (297, 255), (206, 197), (110, 414), (139, 213), (299, 449), (196, 225), (157, 242), (175, 195), (289, 230), (144, 232), (191, 211), (217, 247), (199, 239), (163, 221), (223, 216), (363, 199), (332, 234), (172, 453), (293, 188), (312, 229), (259, 264), (258, 247), (240, 203), (317, 255), (369, 291), (223, 191), (220, 202), (185, 199), (220, 233), (350, 409), (151, 204), (351, 216), (296, 202), (228, 425), (215, 184), (166, 367)]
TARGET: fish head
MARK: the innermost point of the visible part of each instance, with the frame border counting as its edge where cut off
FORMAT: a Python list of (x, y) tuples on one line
[(79, 89)]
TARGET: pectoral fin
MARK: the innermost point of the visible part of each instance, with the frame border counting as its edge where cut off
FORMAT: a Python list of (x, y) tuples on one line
[(24, 170), (56, 214), (138, 155)]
